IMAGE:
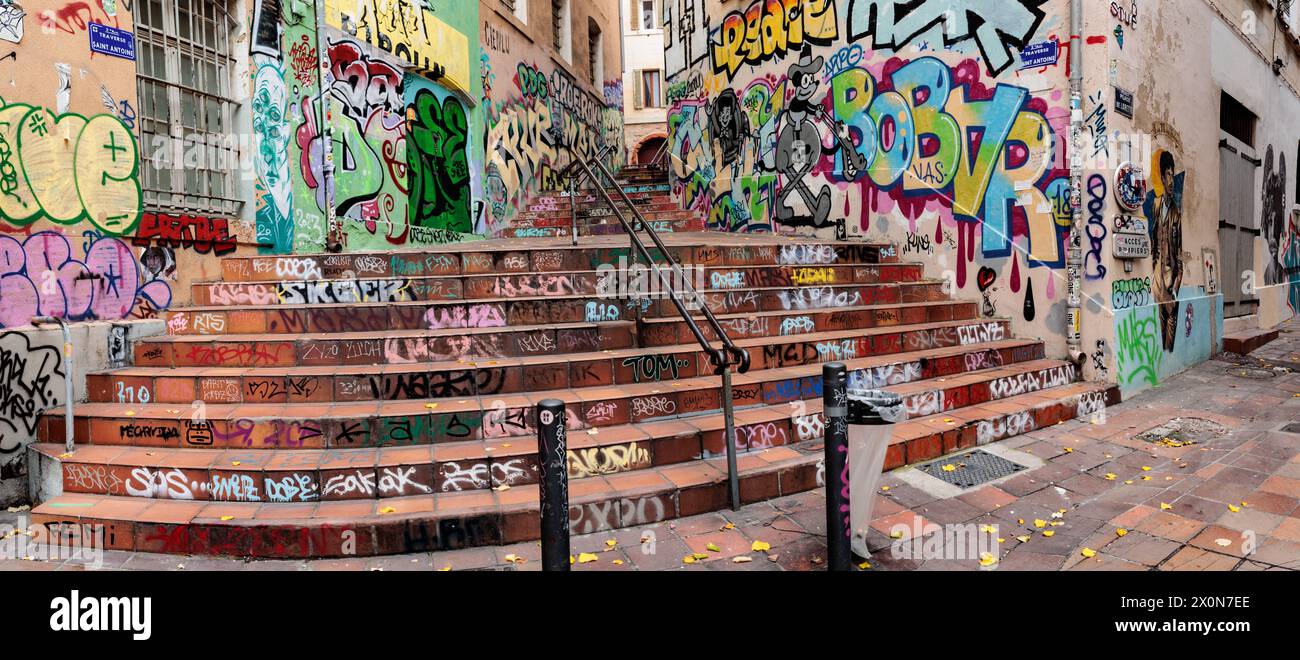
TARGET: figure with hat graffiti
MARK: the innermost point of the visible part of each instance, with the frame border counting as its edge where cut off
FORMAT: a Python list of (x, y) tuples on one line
[(799, 145)]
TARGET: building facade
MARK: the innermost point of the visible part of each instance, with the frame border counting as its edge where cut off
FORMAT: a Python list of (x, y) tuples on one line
[(1125, 214), (644, 101), (144, 140)]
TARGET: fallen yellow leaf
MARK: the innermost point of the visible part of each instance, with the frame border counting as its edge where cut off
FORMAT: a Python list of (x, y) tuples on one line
[(700, 555), (618, 562), (1165, 507), (688, 559), (611, 543), (987, 559), (896, 535), (227, 517), (1088, 552), (1233, 508), (949, 468), (587, 557), (387, 509), (1146, 469), (1121, 532), (760, 546), (864, 565), (729, 526), (1111, 476), (1040, 523), (1049, 533), (713, 547), (1023, 539), (444, 569)]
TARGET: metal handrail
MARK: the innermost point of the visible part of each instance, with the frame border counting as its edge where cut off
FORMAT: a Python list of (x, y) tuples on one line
[(740, 355), (660, 160), (723, 358)]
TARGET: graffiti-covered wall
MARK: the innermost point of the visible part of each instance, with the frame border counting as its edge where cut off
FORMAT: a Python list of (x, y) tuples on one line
[(919, 123), (351, 155), (542, 109), (1191, 144), (70, 190)]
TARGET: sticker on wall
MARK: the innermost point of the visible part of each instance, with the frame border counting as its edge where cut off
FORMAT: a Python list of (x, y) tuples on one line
[(11, 22), (1041, 54), (112, 41), (1130, 186), (1210, 261), (1124, 102), (1119, 36)]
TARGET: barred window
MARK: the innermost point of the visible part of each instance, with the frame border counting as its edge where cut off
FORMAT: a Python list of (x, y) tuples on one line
[(595, 44), (186, 68), (560, 29)]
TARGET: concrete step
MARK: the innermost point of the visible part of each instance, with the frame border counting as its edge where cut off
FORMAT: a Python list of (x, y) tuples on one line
[(348, 423), (435, 379), (523, 284), (451, 520), (517, 331), (544, 255), (290, 475)]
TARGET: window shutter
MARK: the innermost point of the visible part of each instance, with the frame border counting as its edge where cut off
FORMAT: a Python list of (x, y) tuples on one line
[(640, 91)]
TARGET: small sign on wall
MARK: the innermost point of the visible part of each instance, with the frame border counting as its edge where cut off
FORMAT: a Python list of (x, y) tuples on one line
[(1124, 102), (1210, 261), (1132, 246), (112, 41), (1041, 54)]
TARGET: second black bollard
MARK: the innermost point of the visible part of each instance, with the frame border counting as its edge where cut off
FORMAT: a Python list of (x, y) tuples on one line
[(552, 457), (835, 400)]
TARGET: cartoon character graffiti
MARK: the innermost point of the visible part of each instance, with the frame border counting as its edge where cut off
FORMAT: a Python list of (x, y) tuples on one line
[(799, 146), (1164, 211), (729, 127)]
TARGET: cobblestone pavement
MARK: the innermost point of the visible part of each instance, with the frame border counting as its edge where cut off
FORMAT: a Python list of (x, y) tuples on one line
[(1220, 493)]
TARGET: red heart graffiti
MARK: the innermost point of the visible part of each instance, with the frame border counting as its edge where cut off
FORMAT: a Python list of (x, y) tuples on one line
[(985, 278)]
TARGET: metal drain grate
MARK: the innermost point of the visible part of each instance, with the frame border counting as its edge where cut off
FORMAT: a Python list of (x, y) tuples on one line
[(977, 467)]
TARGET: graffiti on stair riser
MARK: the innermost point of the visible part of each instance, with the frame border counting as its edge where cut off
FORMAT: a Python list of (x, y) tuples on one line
[(31, 382), (42, 277)]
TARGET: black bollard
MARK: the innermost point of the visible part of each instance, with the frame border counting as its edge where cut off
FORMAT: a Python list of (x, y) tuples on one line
[(552, 458), (835, 401)]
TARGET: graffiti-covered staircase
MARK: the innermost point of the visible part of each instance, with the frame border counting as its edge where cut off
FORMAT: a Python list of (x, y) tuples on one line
[(646, 186), (369, 403)]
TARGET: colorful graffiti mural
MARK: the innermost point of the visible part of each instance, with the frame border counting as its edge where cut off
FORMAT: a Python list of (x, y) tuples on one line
[(1278, 228), (534, 128), (41, 277), (68, 169)]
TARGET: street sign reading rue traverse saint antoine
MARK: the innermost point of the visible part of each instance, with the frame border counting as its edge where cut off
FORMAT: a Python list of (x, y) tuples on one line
[(109, 40)]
